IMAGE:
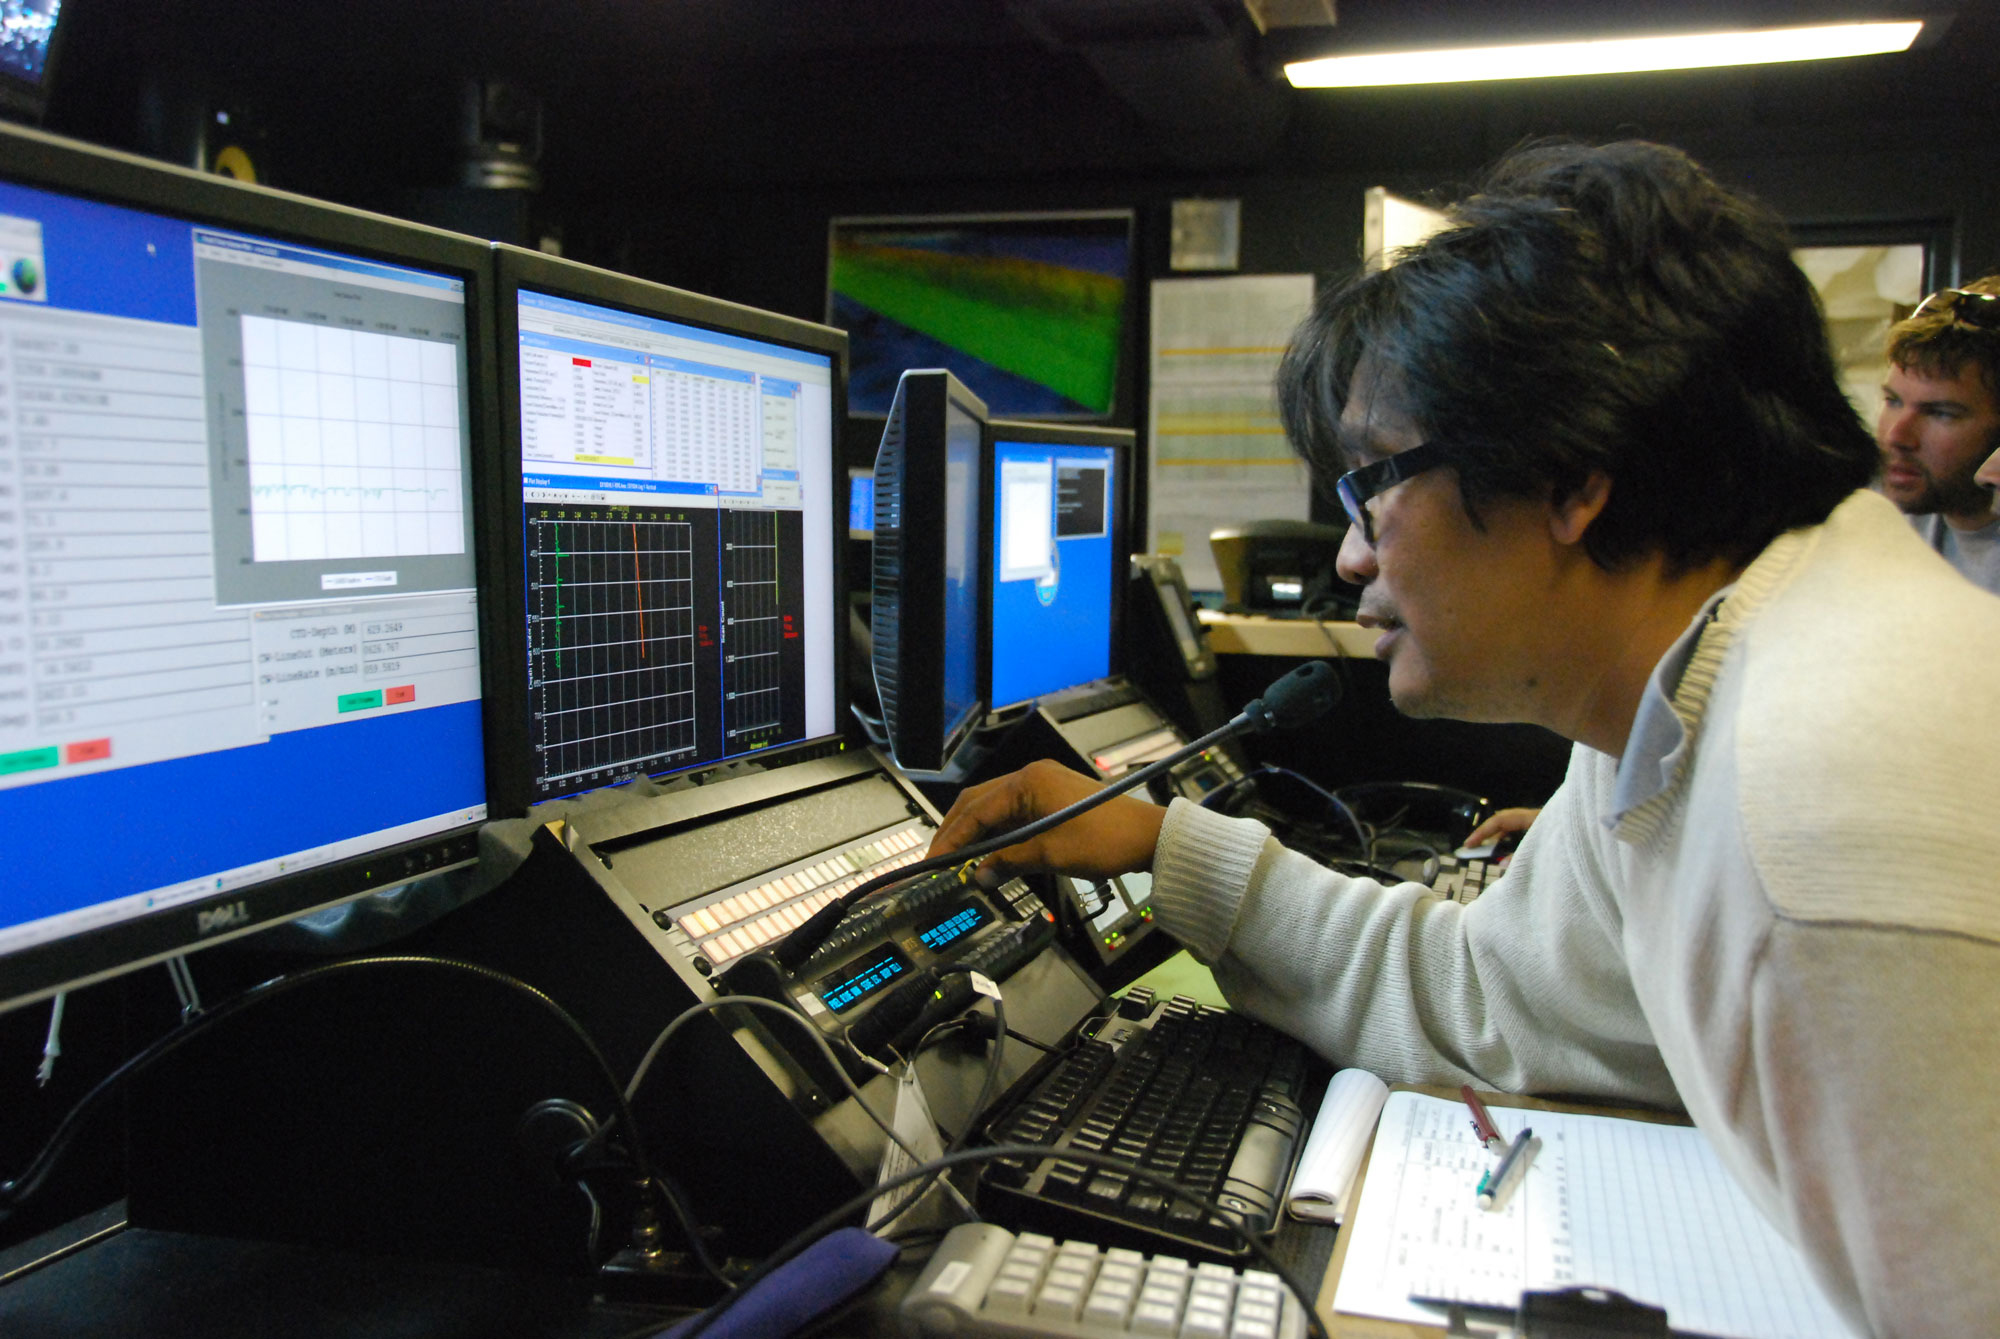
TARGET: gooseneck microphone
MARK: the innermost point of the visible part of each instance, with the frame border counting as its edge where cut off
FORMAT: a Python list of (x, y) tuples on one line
[(1304, 695)]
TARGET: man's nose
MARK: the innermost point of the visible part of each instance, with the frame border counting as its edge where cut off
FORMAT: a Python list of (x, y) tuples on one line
[(1897, 427), (1356, 560)]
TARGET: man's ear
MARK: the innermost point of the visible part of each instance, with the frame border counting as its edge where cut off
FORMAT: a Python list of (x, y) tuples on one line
[(1570, 515)]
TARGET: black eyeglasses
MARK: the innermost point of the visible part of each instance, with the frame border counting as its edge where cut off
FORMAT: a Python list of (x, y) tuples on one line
[(1356, 486), (1981, 311)]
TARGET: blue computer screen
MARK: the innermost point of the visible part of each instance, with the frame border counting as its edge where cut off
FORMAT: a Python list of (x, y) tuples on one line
[(238, 631), (1053, 573)]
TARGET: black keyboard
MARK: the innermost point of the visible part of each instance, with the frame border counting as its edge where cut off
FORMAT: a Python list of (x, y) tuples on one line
[(1080, 702), (1206, 1097)]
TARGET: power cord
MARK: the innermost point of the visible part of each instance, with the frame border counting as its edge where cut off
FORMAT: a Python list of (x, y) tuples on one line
[(17, 1191), (1364, 841), (839, 1215), (689, 1014), (986, 1089)]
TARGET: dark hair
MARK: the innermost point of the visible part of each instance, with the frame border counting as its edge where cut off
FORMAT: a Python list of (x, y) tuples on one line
[(1608, 308), (1937, 346)]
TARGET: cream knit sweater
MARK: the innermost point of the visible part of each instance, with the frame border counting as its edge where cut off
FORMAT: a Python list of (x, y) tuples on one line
[(1798, 939)]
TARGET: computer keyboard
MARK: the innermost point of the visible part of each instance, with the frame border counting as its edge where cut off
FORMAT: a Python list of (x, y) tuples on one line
[(749, 915), (1464, 880), (985, 1281), (1205, 1097)]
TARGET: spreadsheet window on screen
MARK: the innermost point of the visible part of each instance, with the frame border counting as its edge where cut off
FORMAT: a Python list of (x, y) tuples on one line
[(677, 486), (236, 573), (1053, 567)]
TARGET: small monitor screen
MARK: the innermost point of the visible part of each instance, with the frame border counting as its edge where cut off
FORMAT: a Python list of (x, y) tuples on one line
[(238, 633), (861, 503), (678, 493), (1055, 566)]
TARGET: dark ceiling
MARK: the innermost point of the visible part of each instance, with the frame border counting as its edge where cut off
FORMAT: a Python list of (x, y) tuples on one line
[(819, 92)]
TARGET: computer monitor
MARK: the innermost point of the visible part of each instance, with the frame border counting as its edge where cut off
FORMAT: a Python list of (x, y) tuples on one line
[(676, 533), (239, 642), (929, 547), (1057, 497)]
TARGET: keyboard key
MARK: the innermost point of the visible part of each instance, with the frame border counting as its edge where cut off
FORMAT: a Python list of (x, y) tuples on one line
[(1059, 1302), (1204, 1322)]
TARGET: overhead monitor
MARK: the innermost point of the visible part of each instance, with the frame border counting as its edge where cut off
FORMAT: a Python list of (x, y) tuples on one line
[(929, 547), (1058, 563), (28, 48), (239, 645), (1030, 311), (678, 530)]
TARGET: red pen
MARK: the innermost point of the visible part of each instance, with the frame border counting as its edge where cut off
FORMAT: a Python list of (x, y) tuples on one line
[(1482, 1124)]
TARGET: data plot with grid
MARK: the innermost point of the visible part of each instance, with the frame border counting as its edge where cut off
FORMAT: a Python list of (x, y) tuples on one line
[(612, 638), (354, 442), (753, 628)]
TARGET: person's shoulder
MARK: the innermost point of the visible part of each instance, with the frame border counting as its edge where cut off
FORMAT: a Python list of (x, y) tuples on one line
[(1870, 697), (1866, 583)]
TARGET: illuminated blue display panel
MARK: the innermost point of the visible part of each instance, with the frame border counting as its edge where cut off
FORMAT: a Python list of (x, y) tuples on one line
[(1055, 568), (238, 620)]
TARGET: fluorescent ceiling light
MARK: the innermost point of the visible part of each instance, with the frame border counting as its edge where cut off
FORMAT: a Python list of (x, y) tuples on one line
[(1622, 55)]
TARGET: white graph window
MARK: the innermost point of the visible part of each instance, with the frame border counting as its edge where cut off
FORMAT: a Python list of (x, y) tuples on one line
[(353, 442)]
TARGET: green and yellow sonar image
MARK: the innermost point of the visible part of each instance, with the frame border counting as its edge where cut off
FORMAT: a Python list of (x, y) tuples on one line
[(1051, 324)]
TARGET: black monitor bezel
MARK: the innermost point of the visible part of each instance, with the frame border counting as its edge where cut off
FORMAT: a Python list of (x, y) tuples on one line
[(1124, 441), (921, 740), (510, 783), (42, 161)]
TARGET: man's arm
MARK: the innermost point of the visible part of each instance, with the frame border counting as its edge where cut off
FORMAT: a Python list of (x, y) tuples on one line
[(1391, 978), (1523, 990)]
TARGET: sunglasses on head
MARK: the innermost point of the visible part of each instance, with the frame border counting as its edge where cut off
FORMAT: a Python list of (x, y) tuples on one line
[(1981, 311)]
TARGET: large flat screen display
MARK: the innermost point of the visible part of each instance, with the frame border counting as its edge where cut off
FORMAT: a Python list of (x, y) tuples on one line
[(239, 646)]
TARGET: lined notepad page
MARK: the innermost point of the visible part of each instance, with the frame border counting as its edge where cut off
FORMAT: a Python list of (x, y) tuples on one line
[(1644, 1209)]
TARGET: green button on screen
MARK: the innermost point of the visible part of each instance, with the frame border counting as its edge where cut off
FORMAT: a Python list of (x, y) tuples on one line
[(27, 760), (360, 701)]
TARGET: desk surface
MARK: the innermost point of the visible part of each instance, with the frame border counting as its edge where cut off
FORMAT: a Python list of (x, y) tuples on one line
[(1258, 635)]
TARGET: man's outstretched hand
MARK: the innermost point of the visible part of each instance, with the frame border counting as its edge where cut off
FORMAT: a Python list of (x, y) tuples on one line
[(1114, 838)]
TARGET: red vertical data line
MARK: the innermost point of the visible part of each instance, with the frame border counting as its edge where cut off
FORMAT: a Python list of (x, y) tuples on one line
[(639, 589)]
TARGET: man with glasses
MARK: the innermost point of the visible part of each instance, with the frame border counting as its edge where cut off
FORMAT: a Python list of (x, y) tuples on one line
[(1602, 477), (1941, 420)]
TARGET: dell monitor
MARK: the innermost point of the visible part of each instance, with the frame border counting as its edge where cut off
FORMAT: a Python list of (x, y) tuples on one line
[(1056, 583), (239, 638), (929, 546), (677, 531)]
